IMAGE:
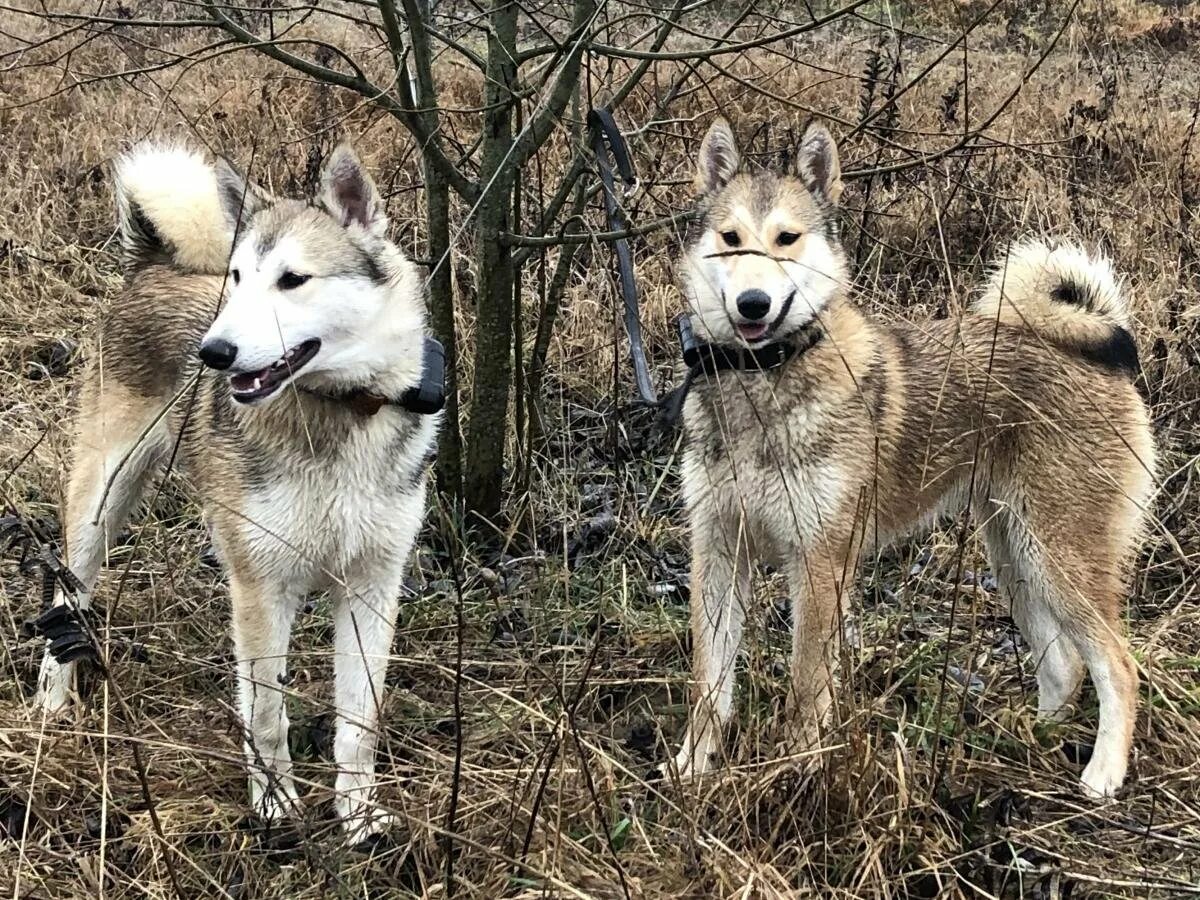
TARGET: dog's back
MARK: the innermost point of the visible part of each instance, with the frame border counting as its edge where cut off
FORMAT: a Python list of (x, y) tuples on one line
[(1038, 375)]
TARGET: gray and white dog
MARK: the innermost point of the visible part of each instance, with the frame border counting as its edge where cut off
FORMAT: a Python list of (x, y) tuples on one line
[(311, 472)]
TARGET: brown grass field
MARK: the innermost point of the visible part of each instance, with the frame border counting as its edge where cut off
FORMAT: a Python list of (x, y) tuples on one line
[(937, 780)]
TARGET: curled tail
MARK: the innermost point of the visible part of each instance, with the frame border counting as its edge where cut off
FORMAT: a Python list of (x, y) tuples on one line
[(169, 210), (1066, 296)]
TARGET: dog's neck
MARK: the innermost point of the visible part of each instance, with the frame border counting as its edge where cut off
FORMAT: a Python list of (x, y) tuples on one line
[(426, 397), (706, 360)]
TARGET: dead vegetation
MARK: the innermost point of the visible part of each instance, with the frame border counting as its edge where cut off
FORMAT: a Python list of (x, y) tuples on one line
[(572, 634)]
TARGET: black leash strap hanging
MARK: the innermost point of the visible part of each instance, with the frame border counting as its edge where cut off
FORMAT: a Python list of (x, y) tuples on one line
[(603, 128)]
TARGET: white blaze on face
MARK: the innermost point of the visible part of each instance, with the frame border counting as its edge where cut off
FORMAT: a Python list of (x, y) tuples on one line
[(262, 317), (705, 280), (368, 329), (816, 277), (798, 280), (265, 315)]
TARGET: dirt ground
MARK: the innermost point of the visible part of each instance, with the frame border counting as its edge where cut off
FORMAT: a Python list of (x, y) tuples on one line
[(937, 780)]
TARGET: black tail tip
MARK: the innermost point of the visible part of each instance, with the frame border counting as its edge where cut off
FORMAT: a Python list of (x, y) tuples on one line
[(1118, 353)]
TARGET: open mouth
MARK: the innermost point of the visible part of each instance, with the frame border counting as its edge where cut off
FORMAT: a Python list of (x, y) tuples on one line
[(756, 332), (250, 386), (752, 331)]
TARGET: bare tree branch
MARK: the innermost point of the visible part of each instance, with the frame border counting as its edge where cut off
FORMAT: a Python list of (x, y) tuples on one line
[(541, 125), (740, 47), (557, 240), (461, 185)]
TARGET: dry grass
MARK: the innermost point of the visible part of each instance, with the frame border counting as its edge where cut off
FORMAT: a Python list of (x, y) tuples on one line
[(937, 782)]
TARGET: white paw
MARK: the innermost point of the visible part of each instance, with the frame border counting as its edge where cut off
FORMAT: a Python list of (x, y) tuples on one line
[(1103, 777), (693, 761), (366, 824), (683, 765), (55, 689)]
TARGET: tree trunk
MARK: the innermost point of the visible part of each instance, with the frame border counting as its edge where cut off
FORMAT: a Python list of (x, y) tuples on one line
[(488, 429), (441, 305)]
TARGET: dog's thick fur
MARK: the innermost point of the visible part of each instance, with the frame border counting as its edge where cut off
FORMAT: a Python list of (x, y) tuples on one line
[(1023, 409), (301, 492)]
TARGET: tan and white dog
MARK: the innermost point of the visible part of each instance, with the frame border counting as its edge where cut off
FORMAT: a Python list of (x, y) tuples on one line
[(818, 431), (309, 312)]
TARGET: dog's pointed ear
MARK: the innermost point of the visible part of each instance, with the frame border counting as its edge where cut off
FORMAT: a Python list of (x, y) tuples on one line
[(817, 163), (240, 198), (719, 158), (349, 194)]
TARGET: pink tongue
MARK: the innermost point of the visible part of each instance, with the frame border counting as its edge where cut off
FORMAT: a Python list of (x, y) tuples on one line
[(752, 332)]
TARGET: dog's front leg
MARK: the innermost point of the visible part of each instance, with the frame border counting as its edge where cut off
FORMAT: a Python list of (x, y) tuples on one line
[(720, 585), (818, 575), (364, 622), (262, 624)]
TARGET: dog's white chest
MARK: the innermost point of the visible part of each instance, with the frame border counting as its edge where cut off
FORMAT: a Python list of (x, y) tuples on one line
[(763, 469), (322, 518)]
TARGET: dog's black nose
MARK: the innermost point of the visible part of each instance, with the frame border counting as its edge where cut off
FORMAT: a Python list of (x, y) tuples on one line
[(218, 354), (753, 304)]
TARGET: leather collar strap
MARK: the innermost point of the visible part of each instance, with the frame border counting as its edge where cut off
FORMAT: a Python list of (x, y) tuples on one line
[(709, 359), (425, 399), (713, 358)]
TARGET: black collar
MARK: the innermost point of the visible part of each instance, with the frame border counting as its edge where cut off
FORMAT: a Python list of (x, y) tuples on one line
[(713, 358), (708, 359), (426, 398)]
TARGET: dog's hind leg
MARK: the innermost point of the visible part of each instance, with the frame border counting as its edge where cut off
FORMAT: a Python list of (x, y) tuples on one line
[(119, 440), (1021, 573), (364, 623), (262, 624), (720, 583), (1067, 604)]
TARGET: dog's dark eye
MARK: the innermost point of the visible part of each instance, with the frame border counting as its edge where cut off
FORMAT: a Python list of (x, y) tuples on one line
[(289, 280), (731, 238), (787, 238), (237, 276)]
